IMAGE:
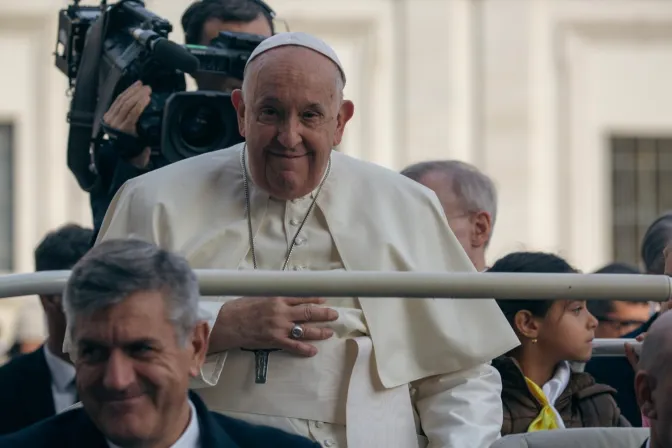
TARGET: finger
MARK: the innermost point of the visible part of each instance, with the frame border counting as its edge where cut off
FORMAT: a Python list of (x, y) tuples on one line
[(132, 101), (308, 313), (298, 347), (631, 356), (293, 301), (641, 337), (124, 96), (313, 333), (134, 115)]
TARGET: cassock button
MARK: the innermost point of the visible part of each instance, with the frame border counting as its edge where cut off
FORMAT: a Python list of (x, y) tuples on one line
[(329, 443), (294, 222), (300, 241), (319, 424)]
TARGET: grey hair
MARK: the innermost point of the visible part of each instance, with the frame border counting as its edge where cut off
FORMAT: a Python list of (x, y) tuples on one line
[(115, 269), (475, 191)]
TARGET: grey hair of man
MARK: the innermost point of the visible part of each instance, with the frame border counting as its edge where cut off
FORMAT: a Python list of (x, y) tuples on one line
[(338, 77), (118, 268), (474, 190)]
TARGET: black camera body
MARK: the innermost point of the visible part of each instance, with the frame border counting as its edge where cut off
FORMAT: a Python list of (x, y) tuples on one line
[(105, 49)]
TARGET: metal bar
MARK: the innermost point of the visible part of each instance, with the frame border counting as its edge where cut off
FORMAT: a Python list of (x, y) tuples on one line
[(392, 284), (614, 347)]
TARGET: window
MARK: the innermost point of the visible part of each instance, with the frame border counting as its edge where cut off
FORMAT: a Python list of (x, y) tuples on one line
[(6, 199), (641, 191)]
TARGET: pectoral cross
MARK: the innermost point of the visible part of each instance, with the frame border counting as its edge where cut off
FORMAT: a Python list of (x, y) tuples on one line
[(260, 363)]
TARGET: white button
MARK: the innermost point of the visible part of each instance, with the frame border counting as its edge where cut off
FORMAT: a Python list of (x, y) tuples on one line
[(329, 443), (294, 222), (319, 424), (300, 241), (297, 268)]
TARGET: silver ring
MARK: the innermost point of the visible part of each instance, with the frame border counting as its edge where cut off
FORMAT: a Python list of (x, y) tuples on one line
[(296, 332)]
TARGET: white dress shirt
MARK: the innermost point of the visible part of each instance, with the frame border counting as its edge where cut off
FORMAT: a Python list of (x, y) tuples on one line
[(190, 438), (63, 387), (556, 386)]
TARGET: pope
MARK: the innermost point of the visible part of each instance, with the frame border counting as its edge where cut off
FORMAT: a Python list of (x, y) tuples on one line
[(356, 372)]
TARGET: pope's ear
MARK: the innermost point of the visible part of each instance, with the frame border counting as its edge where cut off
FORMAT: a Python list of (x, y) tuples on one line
[(239, 105), (345, 113)]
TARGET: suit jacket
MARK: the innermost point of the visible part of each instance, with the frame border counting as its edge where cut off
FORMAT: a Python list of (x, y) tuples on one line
[(74, 429), (25, 388), (618, 373)]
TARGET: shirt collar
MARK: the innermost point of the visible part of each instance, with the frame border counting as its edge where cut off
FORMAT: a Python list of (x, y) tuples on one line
[(62, 372), (190, 438)]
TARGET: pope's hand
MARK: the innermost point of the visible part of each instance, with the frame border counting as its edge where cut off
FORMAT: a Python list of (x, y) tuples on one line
[(263, 322)]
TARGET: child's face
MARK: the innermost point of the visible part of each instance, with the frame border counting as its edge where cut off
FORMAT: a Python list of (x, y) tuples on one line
[(568, 330)]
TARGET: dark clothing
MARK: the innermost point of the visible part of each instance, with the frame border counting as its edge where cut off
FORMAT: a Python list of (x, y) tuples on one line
[(619, 374), (25, 388), (74, 429), (583, 403)]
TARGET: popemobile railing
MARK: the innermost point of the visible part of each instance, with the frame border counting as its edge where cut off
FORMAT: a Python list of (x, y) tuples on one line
[(504, 286)]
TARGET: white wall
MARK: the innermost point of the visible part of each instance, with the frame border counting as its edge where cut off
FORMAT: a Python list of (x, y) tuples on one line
[(525, 89)]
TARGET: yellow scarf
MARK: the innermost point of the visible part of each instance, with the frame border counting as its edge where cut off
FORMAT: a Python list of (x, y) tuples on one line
[(546, 419)]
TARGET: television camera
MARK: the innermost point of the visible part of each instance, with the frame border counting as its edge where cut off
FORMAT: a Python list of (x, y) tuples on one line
[(104, 49)]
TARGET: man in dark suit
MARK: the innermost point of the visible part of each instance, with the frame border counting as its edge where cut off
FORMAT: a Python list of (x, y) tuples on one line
[(40, 384), (136, 339)]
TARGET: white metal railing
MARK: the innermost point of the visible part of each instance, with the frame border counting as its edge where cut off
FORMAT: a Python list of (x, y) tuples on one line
[(655, 288), (400, 284)]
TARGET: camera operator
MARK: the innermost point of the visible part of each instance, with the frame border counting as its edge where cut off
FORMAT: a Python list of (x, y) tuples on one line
[(202, 22)]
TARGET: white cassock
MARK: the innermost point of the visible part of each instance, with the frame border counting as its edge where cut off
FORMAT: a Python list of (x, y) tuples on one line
[(366, 218)]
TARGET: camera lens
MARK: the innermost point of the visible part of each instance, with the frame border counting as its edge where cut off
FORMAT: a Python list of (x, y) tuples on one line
[(200, 126)]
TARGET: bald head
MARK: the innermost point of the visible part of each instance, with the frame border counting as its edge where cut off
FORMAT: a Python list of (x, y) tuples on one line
[(657, 347), (653, 383)]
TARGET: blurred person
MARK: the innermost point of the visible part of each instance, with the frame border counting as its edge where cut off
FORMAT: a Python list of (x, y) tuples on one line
[(138, 338), (284, 200), (539, 390), (202, 22), (617, 371), (653, 382), (42, 383), (468, 198), (617, 318), (23, 328)]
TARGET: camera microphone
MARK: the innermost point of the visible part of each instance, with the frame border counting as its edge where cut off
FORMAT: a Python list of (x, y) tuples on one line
[(172, 55)]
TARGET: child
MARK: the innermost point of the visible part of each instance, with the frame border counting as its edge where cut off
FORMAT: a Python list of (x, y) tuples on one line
[(540, 391)]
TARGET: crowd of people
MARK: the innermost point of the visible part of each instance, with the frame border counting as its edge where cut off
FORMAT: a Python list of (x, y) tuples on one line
[(136, 357)]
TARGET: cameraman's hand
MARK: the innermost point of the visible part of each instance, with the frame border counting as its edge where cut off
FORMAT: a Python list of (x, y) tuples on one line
[(124, 113)]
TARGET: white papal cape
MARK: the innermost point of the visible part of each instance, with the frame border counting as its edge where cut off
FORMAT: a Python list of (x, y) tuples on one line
[(378, 220)]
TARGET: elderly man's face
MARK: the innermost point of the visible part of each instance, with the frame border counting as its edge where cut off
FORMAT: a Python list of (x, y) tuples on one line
[(132, 372), (291, 116), (472, 229)]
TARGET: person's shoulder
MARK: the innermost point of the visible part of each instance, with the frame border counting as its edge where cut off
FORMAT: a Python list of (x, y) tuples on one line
[(185, 172), (377, 179), (248, 434), (189, 175), (52, 432), (583, 385)]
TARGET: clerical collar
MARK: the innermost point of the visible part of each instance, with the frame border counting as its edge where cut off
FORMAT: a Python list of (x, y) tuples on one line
[(190, 438), (310, 195)]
